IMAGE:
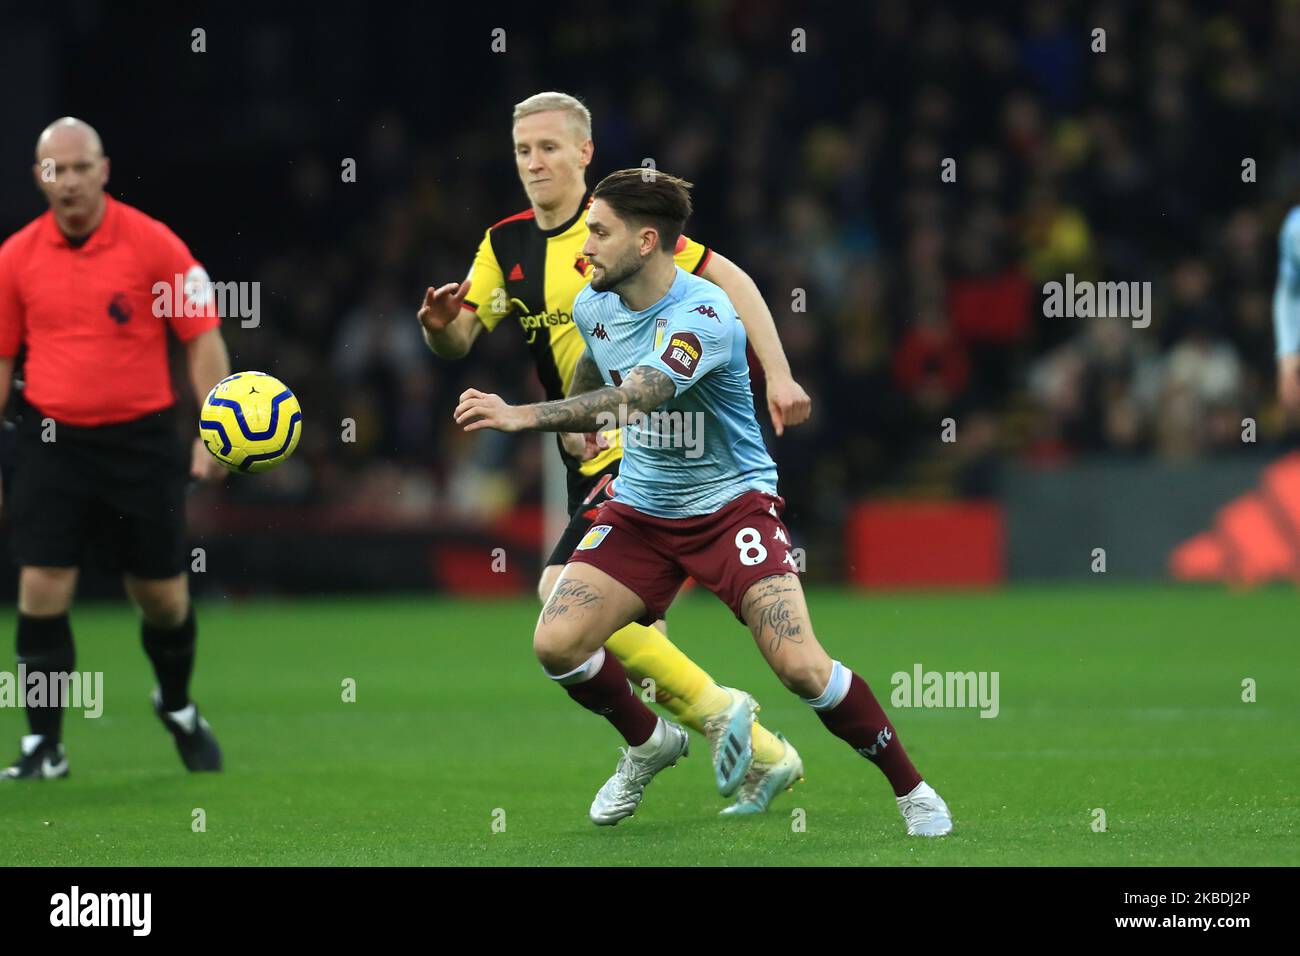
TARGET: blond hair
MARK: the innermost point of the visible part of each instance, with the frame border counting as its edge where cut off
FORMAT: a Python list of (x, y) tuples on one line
[(542, 102)]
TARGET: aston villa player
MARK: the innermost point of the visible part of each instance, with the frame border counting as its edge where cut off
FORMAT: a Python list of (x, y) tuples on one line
[(99, 466), (674, 344)]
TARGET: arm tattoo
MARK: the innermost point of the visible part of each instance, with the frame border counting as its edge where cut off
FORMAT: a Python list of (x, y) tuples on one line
[(588, 412), (586, 377), (772, 613), (647, 388), (569, 599), (644, 389)]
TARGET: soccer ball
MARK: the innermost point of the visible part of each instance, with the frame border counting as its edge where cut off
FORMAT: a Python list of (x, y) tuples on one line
[(250, 422)]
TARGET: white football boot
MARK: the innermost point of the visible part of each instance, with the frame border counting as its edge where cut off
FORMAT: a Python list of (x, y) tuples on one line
[(621, 794), (925, 812)]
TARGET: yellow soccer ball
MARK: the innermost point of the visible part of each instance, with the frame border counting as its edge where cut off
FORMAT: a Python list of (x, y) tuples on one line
[(250, 422)]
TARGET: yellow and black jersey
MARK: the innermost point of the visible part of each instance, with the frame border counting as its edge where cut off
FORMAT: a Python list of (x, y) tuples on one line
[(535, 274)]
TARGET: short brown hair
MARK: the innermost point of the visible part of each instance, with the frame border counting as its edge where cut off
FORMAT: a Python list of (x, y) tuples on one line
[(648, 197)]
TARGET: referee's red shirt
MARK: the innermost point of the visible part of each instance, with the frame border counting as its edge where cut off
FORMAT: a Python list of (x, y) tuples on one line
[(96, 351)]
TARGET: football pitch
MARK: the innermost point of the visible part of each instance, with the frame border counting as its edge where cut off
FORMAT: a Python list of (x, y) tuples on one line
[(1120, 705)]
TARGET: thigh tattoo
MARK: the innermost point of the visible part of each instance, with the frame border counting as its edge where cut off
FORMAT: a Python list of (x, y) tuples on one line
[(770, 610), (569, 600)]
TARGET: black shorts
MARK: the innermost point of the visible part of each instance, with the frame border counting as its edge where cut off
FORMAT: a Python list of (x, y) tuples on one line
[(586, 494), (111, 493)]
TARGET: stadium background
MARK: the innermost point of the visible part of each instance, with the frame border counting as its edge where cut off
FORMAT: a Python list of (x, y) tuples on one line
[(816, 171)]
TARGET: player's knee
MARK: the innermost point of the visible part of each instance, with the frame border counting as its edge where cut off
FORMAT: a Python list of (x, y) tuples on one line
[(549, 649), (167, 611), (557, 650), (805, 678), (163, 607), (44, 592), (546, 583)]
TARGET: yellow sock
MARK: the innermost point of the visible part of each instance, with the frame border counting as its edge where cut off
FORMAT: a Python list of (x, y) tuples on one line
[(683, 711), (646, 652), (681, 685), (767, 749)]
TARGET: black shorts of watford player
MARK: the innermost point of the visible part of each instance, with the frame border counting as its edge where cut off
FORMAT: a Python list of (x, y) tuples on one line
[(99, 470), (527, 272)]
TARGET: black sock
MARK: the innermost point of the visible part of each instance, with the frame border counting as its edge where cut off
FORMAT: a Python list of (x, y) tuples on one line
[(45, 646), (171, 650)]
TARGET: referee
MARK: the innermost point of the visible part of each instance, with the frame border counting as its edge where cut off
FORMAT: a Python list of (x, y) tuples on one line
[(99, 468)]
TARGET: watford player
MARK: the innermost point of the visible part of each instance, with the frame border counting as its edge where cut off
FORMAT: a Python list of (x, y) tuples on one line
[(530, 267), (99, 465)]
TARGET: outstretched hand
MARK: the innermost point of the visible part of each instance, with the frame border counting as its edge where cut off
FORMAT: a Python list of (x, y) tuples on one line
[(442, 305), (483, 410)]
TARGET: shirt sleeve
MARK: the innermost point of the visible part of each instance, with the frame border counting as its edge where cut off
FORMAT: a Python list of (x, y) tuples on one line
[(1286, 295), (691, 255), (196, 311), (699, 337), (487, 293), (11, 307)]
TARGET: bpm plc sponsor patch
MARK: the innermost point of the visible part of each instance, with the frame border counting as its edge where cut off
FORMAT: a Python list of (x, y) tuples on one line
[(593, 537), (683, 353)]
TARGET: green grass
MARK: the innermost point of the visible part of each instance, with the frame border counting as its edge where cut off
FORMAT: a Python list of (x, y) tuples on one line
[(1127, 699)]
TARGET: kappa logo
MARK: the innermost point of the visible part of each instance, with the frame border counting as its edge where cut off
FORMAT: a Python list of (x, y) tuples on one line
[(706, 310), (683, 353), (593, 538), (882, 741), (599, 332)]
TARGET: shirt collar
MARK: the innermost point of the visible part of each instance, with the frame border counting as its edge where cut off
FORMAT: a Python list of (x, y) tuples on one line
[(103, 235), (566, 226)]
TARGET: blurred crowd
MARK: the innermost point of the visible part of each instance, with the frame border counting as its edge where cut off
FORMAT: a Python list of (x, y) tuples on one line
[(903, 296)]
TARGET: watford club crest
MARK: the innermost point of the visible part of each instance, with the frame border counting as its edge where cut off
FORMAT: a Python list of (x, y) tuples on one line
[(582, 265)]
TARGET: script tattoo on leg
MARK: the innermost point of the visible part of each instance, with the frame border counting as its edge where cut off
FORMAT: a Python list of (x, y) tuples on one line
[(569, 599), (771, 612)]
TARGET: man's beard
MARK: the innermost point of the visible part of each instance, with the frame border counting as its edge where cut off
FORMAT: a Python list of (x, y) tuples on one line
[(620, 272)]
